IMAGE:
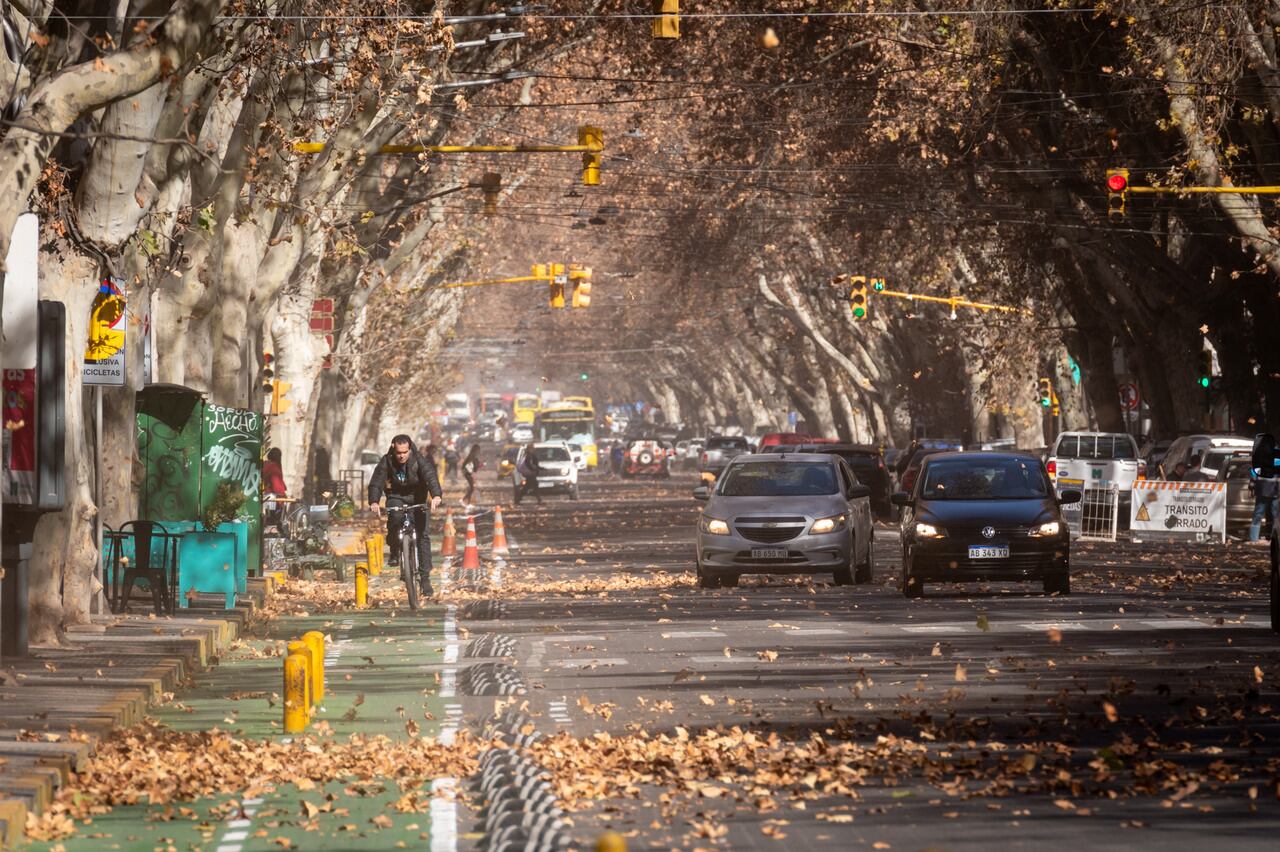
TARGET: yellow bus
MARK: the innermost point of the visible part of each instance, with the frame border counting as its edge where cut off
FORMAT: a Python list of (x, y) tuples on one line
[(578, 402), (525, 408), (573, 424)]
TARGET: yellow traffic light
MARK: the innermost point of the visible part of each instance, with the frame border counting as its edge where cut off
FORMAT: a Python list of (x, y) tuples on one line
[(1117, 193), (491, 185), (858, 298), (279, 405), (593, 138), (667, 22), (580, 276), (1045, 392)]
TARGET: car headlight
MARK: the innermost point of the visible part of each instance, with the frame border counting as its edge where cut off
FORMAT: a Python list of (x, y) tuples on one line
[(826, 525), (1050, 528), (930, 531), (714, 526)]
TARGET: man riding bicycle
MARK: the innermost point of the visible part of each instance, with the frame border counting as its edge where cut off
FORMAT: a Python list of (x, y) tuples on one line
[(406, 477)]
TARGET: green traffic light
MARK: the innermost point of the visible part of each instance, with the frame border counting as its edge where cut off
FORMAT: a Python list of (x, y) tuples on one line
[(583, 377), (859, 312), (1204, 381), (1044, 400)]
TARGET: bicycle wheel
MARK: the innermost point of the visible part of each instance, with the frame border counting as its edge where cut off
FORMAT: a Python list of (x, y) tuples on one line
[(409, 566)]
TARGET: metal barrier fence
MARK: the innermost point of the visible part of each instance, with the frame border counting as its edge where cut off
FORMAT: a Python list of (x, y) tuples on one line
[(1096, 517)]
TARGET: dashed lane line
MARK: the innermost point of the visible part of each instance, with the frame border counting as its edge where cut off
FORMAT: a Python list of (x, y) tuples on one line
[(590, 662), (237, 830), (444, 815)]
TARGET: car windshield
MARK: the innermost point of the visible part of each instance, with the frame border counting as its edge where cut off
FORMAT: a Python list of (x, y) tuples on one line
[(863, 465), (726, 443), (551, 454), (1095, 447), (1215, 459), (984, 479), (1237, 468), (779, 479)]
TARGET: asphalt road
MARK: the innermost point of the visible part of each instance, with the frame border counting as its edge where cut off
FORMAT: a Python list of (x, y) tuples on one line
[(1141, 710)]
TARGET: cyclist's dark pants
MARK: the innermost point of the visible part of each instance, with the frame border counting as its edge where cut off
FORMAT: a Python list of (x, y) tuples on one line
[(394, 519)]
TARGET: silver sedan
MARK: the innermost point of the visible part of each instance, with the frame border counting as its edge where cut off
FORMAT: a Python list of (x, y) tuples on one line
[(785, 513)]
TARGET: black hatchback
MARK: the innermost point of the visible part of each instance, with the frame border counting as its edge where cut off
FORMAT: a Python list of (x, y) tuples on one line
[(979, 517)]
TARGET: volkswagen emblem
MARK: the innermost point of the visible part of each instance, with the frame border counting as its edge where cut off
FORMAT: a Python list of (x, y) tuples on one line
[(988, 532)]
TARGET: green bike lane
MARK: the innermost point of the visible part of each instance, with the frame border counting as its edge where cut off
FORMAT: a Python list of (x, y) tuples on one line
[(388, 672)]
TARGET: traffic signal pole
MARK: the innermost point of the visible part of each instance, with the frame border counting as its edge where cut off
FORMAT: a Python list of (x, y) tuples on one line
[(590, 146), (954, 302)]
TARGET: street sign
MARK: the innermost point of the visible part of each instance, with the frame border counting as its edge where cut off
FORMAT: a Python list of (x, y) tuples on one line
[(105, 348), (1129, 397), (1178, 511)]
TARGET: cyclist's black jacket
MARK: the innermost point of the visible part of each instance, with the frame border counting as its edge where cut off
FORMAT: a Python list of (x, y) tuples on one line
[(412, 482)]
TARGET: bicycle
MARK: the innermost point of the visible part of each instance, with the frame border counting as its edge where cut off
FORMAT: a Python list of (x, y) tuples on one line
[(409, 550)]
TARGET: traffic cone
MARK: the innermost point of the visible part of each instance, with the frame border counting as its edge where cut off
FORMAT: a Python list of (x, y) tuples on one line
[(500, 547), (449, 542), (471, 551)]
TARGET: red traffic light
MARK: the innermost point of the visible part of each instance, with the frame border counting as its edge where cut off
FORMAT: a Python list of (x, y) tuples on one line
[(1117, 183)]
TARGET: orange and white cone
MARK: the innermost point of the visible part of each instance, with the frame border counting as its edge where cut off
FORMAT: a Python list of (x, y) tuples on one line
[(471, 551), (449, 541), (500, 547)]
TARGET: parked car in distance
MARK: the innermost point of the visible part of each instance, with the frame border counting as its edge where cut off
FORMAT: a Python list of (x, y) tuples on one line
[(907, 456), (793, 513), (865, 462), (720, 450), (522, 433), (981, 517), (1185, 448), (908, 479), (1214, 459), (774, 439), (1236, 474), (558, 474), (646, 457)]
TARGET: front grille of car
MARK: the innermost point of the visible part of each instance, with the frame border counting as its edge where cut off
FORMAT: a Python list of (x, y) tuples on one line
[(770, 530), (973, 534)]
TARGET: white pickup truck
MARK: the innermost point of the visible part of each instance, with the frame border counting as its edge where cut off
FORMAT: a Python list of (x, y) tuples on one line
[(1097, 460)]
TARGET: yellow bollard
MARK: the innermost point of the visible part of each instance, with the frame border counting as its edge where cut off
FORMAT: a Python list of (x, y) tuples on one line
[(371, 553), (296, 689), (314, 640), (381, 551), (611, 841), (362, 585)]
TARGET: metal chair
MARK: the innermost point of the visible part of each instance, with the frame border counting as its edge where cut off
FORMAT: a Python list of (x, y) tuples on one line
[(156, 569)]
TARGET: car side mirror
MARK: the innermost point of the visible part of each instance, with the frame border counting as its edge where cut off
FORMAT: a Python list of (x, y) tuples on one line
[(702, 492), (858, 490), (1070, 496), (900, 498)]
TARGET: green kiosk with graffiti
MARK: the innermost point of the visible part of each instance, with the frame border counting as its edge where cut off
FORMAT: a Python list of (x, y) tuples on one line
[(199, 475)]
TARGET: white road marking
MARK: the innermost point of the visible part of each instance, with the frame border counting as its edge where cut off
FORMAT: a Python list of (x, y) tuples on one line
[(444, 815), (449, 728), (586, 663), (449, 677), (693, 634), (230, 841)]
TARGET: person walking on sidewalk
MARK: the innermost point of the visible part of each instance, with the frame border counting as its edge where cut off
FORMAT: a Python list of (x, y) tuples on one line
[(470, 467), (406, 477)]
